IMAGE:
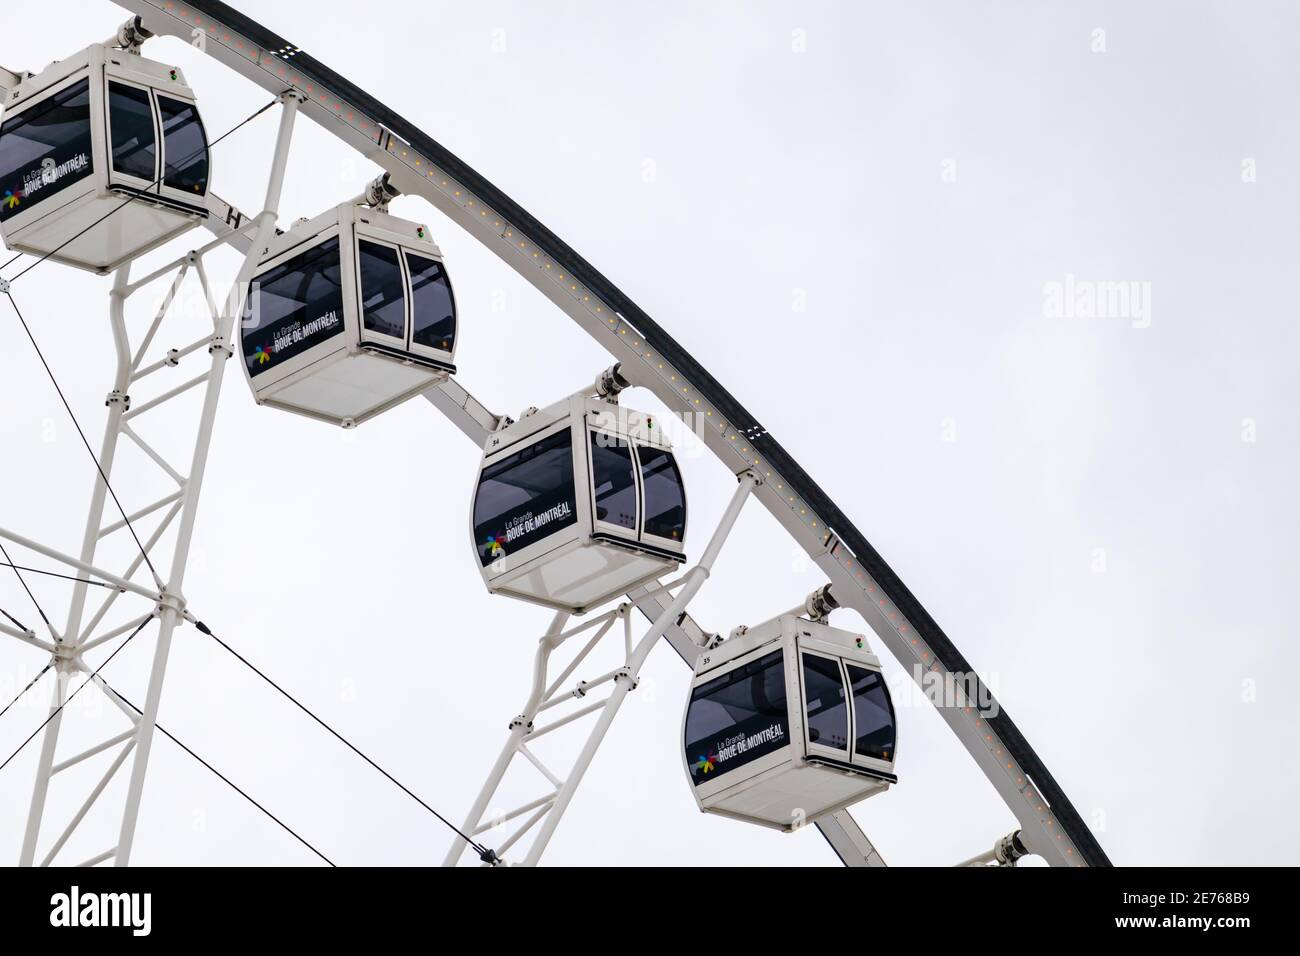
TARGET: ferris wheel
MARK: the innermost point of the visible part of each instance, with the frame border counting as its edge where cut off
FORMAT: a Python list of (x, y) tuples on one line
[(580, 504)]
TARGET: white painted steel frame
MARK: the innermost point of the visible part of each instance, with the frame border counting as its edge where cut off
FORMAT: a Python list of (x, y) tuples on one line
[(416, 174), (180, 508)]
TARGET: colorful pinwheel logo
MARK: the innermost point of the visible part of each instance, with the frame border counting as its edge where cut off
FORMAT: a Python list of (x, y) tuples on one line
[(262, 355), (13, 199), (494, 546), (706, 764)]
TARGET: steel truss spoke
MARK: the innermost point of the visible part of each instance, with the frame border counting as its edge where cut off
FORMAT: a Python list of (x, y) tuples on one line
[(99, 858), (142, 513), (173, 358), (80, 565), (115, 632), (97, 749), (166, 396), (178, 509), (508, 844), (89, 801), (567, 719), (157, 459), (504, 818), (27, 637), (163, 309), (134, 566), (551, 808), (541, 767)]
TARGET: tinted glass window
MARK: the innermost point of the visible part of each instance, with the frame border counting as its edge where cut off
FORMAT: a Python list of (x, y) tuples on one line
[(45, 148), (736, 718), (434, 321), (665, 498), (383, 293), (130, 118), (185, 147), (614, 480), (292, 307), (525, 497), (828, 713), (873, 714)]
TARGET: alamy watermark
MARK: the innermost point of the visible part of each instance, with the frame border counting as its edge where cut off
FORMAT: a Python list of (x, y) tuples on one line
[(123, 910), (1121, 299), (945, 689)]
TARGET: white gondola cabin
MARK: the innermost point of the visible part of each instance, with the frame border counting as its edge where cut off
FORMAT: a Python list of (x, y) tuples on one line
[(786, 723), (578, 504), (349, 314), (85, 136)]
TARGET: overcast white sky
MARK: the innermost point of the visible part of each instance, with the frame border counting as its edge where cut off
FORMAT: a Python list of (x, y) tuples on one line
[(850, 212)]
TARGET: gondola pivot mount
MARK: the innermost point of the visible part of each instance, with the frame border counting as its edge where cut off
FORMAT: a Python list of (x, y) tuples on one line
[(131, 36), (379, 193), (611, 382), (820, 604)]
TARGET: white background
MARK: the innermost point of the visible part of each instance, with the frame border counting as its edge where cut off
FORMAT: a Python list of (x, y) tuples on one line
[(1072, 499)]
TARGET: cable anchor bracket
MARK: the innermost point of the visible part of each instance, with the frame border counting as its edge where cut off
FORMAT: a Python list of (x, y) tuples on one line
[(167, 601), (219, 346)]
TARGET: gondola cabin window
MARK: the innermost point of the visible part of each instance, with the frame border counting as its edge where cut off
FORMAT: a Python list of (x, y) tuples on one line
[(613, 481), (665, 499), (383, 291), (828, 713), (185, 147), (297, 305), (45, 149), (525, 498), (873, 714), (134, 135), (434, 308), (737, 718)]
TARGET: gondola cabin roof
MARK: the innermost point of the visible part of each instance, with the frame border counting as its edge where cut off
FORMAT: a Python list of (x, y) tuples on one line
[(349, 315), (577, 504), (103, 157)]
